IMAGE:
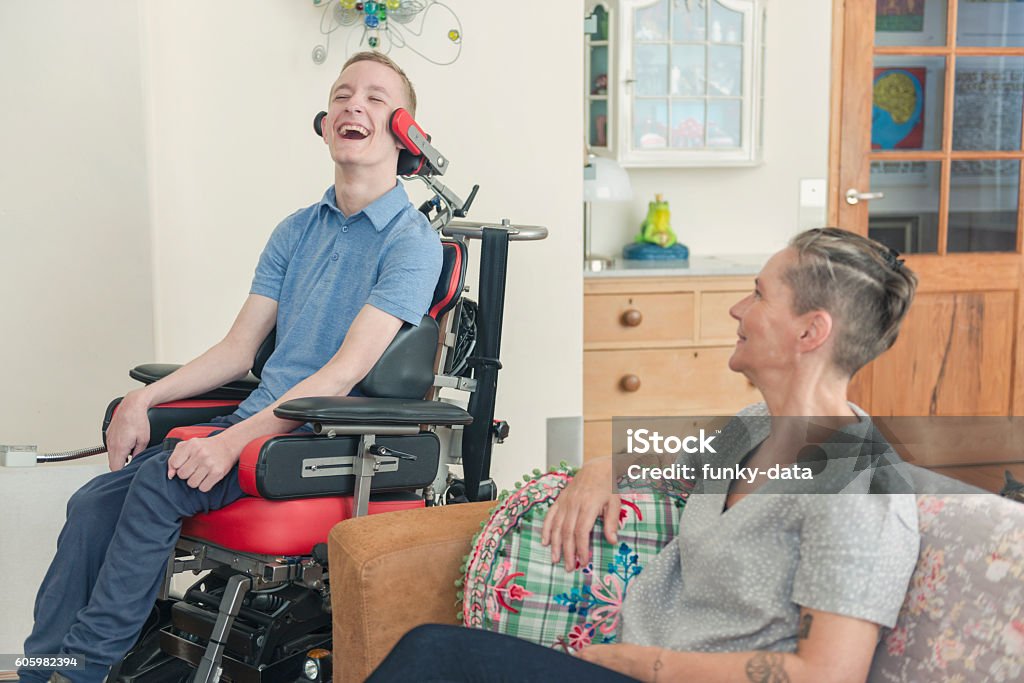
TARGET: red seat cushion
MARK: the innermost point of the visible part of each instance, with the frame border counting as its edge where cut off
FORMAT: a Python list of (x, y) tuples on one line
[(194, 432), (279, 527)]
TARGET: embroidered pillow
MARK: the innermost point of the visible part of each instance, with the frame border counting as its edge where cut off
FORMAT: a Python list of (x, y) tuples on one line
[(511, 586)]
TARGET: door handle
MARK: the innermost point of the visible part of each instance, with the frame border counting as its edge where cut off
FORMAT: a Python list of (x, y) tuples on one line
[(853, 196)]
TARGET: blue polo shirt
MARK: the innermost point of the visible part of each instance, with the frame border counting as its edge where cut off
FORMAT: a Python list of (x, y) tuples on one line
[(322, 267)]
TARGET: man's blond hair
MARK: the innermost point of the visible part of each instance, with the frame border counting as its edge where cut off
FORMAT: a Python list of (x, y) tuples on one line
[(370, 56)]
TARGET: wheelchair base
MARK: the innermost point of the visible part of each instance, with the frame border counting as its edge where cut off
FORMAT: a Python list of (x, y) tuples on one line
[(189, 654), (147, 662), (266, 641)]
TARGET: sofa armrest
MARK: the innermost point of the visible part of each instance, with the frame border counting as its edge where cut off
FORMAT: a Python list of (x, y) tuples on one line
[(392, 572)]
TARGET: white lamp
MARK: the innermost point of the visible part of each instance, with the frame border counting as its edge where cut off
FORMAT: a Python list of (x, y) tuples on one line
[(603, 181)]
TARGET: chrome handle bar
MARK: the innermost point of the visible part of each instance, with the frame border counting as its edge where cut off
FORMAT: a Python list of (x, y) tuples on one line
[(516, 233)]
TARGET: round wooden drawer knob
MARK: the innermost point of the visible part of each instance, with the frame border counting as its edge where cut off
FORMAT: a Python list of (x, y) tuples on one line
[(630, 383), (632, 318)]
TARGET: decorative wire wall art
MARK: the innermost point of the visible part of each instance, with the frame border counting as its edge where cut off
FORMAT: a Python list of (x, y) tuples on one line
[(429, 28)]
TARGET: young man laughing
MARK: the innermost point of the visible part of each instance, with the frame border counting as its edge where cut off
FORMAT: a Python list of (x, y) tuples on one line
[(337, 279)]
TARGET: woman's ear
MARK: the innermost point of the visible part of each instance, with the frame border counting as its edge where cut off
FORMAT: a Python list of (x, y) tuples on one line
[(817, 330)]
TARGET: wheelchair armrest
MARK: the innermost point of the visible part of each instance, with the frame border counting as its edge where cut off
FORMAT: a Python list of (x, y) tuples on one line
[(360, 410), (239, 389), (166, 416)]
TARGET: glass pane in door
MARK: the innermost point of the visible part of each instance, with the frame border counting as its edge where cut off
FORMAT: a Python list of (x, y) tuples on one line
[(650, 124), (688, 123), (907, 102), (598, 136), (725, 70), (983, 205), (599, 70), (689, 22), (990, 23), (724, 123), (910, 23), (988, 101), (651, 23), (688, 70), (650, 63), (726, 24), (907, 217)]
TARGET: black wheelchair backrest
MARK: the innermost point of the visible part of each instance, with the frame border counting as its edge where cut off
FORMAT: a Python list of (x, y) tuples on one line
[(406, 369)]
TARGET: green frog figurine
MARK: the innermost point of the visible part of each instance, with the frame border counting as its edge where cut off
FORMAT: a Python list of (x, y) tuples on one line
[(656, 241)]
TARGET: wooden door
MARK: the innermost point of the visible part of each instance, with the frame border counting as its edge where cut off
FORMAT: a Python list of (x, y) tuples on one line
[(928, 109)]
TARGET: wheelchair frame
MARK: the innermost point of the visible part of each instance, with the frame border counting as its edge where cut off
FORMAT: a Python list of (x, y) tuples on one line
[(216, 627)]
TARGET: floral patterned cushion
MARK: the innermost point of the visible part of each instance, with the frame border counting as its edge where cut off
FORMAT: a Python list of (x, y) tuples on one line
[(511, 586), (963, 617)]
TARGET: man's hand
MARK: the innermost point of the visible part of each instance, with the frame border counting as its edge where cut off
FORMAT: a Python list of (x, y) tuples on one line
[(202, 462), (128, 433), (571, 518)]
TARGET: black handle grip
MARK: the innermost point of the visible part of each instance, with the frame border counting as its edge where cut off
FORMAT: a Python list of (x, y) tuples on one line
[(464, 209)]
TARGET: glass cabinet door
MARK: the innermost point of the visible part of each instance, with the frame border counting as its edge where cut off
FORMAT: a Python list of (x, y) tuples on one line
[(597, 94), (691, 88)]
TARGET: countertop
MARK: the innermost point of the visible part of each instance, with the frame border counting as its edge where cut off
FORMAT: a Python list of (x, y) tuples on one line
[(733, 264)]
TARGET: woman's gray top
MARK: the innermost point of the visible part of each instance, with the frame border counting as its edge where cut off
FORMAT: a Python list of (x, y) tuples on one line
[(735, 580)]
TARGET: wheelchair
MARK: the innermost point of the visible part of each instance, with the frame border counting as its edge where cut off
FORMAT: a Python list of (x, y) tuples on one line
[(261, 612)]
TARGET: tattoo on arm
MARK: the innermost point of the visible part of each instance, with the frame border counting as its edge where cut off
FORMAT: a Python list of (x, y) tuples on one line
[(805, 627), (766, 667)]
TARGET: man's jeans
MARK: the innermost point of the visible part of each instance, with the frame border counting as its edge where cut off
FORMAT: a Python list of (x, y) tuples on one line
[(111, 556)]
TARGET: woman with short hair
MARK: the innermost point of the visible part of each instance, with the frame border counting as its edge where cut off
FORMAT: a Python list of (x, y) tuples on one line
[(766, 581)]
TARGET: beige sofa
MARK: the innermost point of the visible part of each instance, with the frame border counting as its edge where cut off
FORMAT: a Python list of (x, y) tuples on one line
[(963, 619)]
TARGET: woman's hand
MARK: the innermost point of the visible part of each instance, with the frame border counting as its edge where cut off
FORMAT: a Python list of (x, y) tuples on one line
[(571, 518), (128, 432)]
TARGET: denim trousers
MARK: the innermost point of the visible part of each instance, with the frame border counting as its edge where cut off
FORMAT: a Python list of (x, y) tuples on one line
[(437, 653), (111, 557)]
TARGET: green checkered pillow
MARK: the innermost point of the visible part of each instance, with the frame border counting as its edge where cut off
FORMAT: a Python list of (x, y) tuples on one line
[(510, 585)]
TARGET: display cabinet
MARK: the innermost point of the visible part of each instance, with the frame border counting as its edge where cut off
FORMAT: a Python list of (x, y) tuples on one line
[(685, 85), (598, 60)]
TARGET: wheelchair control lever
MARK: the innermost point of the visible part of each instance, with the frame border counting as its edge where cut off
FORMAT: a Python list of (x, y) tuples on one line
[(385, 452)]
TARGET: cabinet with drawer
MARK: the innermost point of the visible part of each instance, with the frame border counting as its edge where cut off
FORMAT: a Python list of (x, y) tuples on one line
[(658, 346)]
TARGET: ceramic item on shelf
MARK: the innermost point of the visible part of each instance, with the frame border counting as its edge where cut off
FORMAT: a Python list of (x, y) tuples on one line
[(656, 241)]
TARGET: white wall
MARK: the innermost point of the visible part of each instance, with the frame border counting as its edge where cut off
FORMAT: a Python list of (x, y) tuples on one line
[(75, 280), (749, 210), (75, 268)]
